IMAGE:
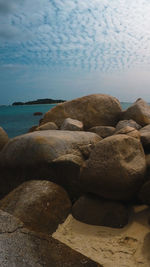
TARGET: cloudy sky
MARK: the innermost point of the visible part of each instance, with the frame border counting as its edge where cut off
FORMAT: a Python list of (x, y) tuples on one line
[(69, 48)]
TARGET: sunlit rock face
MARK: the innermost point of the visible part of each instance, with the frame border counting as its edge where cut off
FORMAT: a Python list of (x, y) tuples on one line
[(92, 110)]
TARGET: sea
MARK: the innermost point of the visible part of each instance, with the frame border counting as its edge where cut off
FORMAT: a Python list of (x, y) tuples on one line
[(17, 120)]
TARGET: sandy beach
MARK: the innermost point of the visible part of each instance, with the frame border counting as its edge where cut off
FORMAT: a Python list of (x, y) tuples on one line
[(110, 247)]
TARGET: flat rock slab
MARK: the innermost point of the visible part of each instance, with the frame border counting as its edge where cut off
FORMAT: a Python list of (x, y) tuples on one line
[(20, 247), (111, 247)]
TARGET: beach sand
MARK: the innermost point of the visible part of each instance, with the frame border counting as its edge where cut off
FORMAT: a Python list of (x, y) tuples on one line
[(111, 247)]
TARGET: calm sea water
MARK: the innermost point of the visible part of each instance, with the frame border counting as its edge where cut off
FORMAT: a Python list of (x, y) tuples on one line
[(17, 120)]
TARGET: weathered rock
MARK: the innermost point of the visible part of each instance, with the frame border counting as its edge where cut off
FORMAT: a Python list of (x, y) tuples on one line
[(103, 131), (144, 193), (3, 138), (47, 126), (129, 131), (92, 110), (115, 168), (139, 112), (33, 156), (96, 211), (72, 125), (40, 205), (124, 123), (21, 247), (145, 136)]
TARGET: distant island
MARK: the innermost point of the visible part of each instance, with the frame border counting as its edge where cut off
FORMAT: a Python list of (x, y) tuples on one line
[(39, 101)]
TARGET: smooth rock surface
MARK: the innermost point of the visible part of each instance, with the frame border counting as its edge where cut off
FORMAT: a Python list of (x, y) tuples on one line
[(33, 156), (139, 112), (92, 110), (103, 131), (144, 193), (20, 247), (145, 136), (96, 211), (72, 125), (3, 138), (115, 168), (40, 205)]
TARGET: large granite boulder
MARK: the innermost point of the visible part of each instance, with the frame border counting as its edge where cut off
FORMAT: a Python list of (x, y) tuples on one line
[(38, 155), (97, 211), (40, 205), (20, 247), (103, 131), (139, 112), (72, 125), (144, 193), (92, 110), (115, 168), (3, 138)]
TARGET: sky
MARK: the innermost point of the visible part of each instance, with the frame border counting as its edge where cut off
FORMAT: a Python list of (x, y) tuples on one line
[(63, 49)]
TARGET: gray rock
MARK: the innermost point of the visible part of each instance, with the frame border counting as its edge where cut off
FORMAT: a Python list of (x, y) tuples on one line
[(40, 205), (103, 131), (72, 125), (96, 211), (20, 247), (115, 168), (124, 123), (92, 110), (139, 112), (3, 138)]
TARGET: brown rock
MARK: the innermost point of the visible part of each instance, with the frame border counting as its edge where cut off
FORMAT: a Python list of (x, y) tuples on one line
[(96, 211), (72, 125), (145, 136), (33, 156), (40, 205), (115, 168), (32, 129), (37, 113), (139, 112), (21, 247), (103, 131), (3, 138), (47, 126), (92, 110), (124, 123), (130, 131)]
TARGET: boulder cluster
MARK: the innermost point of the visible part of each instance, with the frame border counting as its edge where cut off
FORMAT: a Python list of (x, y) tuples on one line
[(87, 157)]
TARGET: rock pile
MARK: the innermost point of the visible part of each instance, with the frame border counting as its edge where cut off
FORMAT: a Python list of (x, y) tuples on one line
[(98, 153)]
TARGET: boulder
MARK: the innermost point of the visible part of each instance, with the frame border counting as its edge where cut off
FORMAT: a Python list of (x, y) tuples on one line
[(40, 205), (21, 247), (139, 112), (145, 136), (124, 123), (96, 211), (129, 131), (115, 168), (72, 125), (47, 126), (144, 193), (33, 156), (3, 138), (92, 110), (32, 129), (103, 131)]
